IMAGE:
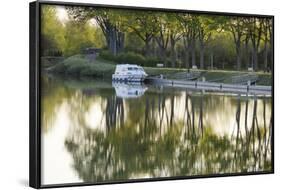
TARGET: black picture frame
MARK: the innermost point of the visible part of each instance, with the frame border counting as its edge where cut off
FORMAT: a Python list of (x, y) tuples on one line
[(35, 94)]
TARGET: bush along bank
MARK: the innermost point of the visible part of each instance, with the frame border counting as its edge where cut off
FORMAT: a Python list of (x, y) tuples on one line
[(130, 58)]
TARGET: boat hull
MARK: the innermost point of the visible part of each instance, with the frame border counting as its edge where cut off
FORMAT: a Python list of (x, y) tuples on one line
[(128, 78)]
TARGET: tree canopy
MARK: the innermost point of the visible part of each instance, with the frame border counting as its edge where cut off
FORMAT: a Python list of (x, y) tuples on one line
[(178, 40)]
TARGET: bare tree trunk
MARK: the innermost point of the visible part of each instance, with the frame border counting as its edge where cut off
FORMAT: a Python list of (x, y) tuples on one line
[(162, 42), (246, 54), (186, 53), (154, 49), (256, 38), (120, 41), (212, 60), (193, 54), (173, 52), (255, 59), (112, 42), (147, 47), (265, 55), (271, 48), (163, 56), (238, 55), (115, 40), (237, 34), (252, 59), (202, 52)]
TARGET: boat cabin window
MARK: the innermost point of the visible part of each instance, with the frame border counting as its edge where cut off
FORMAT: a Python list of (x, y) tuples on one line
[(134, 69)]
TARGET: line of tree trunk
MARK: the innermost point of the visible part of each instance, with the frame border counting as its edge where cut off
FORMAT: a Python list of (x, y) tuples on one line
[(162, 41), (236, 30), (115, 39)]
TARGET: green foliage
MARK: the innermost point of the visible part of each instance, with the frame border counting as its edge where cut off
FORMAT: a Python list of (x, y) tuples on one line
[(52, 30), (131, 39), (130, 58), (223, 49), (142, 145), (78, 65), (145, 37), (79, 36), (68, 37), (107, 55), (151, 61)]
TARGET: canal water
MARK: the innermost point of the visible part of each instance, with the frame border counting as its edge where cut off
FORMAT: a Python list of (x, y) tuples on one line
[(96, 131)]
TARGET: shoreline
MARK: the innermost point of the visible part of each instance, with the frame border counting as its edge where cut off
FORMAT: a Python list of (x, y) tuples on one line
[(78, 66)]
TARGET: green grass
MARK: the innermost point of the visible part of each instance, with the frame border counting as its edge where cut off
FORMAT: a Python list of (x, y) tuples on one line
[(78, 65), (158, 71), (225, 76)]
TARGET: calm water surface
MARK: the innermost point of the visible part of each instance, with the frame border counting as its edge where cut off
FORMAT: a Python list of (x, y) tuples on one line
[(95, 131)]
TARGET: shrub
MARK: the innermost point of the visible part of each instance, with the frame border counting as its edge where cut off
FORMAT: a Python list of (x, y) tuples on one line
[(105, 54), (130, 58), (75, 68), (151, 61)]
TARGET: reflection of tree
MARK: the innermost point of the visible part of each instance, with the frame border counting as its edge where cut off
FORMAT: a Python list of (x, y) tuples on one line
[(250, 148), (167, 133), (53, 96), (114, 112), (153, 140)]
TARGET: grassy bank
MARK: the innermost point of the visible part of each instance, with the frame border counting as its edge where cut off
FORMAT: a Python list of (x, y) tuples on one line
[(78, 65)]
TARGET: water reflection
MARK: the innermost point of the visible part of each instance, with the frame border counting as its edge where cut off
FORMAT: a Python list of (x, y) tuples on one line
[(165, 132), (129, 90)]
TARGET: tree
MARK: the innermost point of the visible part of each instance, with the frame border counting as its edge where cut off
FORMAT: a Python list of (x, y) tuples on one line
[(52, 30), (246, 51), (109, 21), (78, 36), (175, 35), (193, 25), (221, 48), (236, 26), (267, 35), (205, 27), (255, 29), (188, 30), (142, 24), (162, 35)]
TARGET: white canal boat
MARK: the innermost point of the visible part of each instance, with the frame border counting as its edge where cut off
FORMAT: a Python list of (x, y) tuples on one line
[(129, 73)]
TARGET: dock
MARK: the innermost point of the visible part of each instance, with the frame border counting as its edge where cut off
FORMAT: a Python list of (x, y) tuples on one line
[(236, 88)]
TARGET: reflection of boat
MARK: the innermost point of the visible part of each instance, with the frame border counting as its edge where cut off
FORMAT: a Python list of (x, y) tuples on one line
[(129, 90), (129, 73)]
